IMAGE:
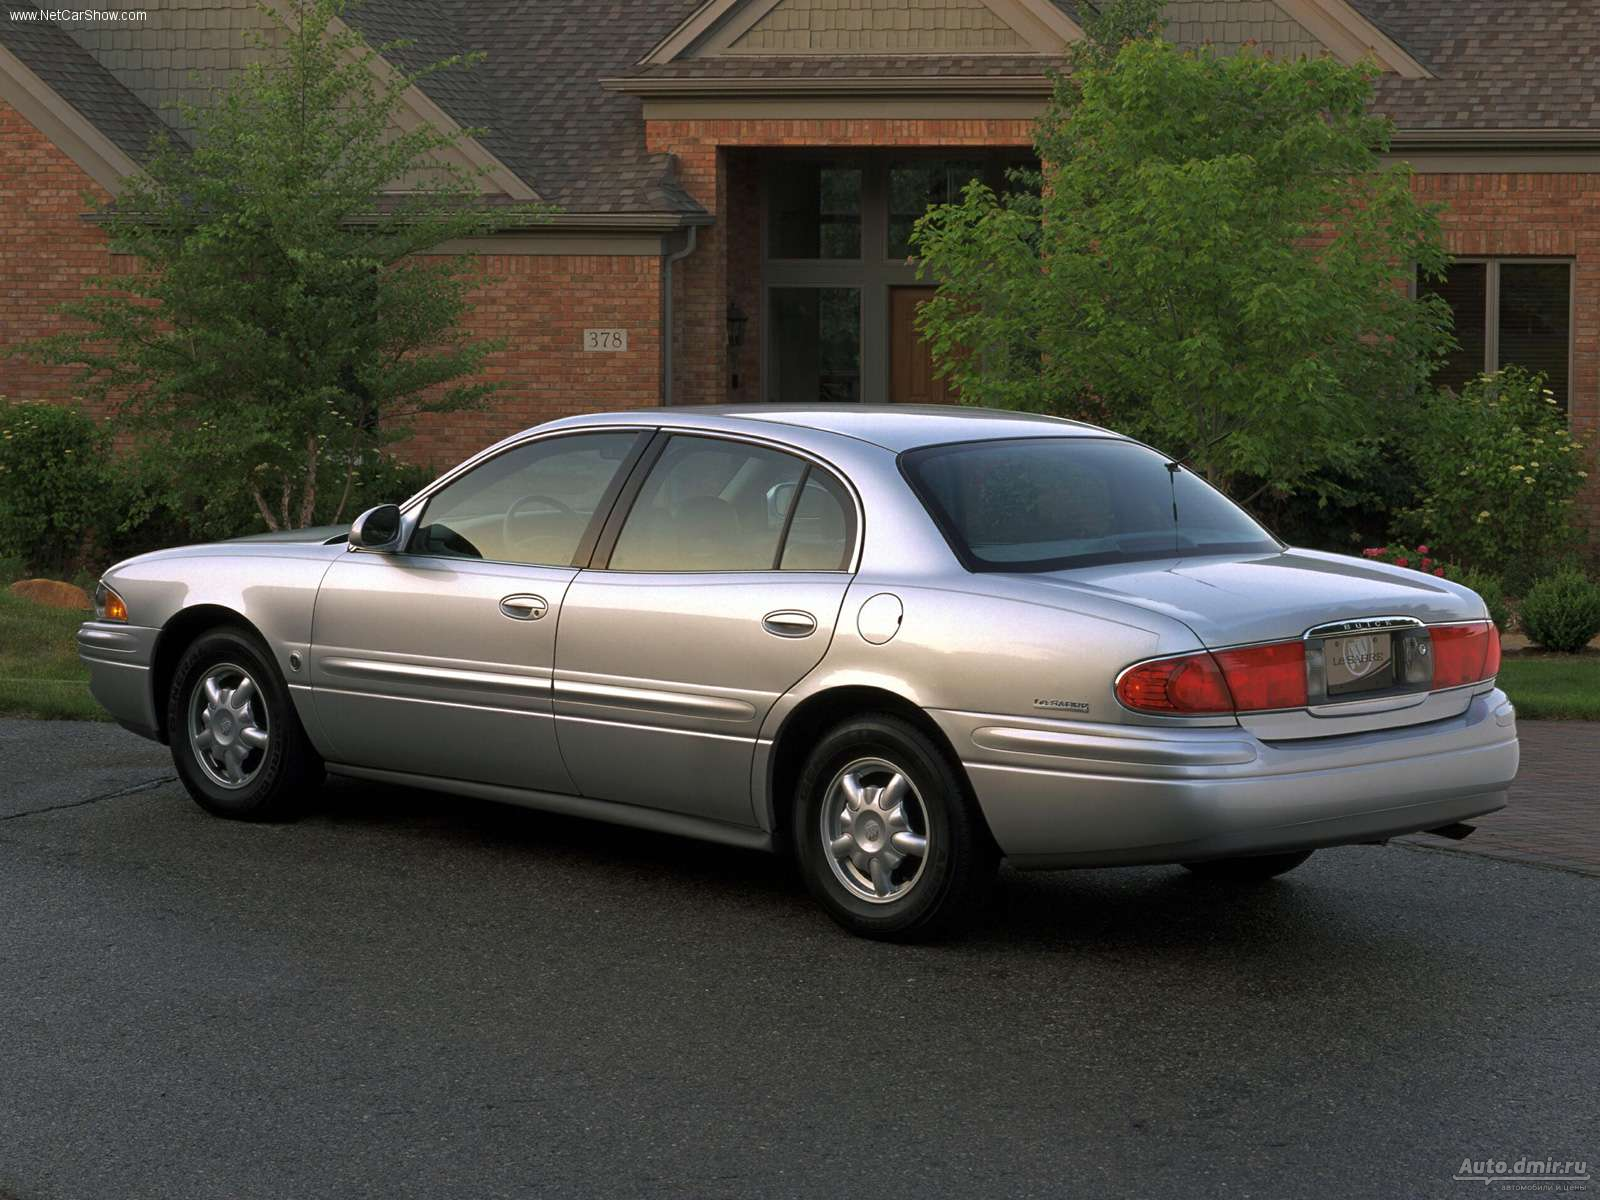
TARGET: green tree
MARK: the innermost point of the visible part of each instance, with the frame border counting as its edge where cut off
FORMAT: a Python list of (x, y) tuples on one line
[(285, 321), (1212, 259)]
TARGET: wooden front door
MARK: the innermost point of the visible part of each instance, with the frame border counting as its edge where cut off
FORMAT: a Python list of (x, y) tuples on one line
[(911, 377)]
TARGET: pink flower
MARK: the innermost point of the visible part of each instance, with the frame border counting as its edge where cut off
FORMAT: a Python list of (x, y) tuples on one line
[(1426, 563), (1373, 552), (1422, 550), (1439, 571), (1402, 562)]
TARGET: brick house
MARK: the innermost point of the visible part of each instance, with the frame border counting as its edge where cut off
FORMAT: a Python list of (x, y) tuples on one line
[(736, 178)]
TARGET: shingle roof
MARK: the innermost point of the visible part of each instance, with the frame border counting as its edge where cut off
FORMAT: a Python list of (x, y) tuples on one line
[(851, 66), (538, 92), (435, 31), (51, 54), (1501, 64)]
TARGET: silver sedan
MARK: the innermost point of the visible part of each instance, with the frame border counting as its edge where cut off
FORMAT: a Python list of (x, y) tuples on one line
[(898, 644)]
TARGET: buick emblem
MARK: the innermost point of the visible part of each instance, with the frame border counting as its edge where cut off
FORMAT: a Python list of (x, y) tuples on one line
[(1360, 656)]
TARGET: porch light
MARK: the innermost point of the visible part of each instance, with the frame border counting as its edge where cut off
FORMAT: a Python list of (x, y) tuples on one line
[(736, 323)]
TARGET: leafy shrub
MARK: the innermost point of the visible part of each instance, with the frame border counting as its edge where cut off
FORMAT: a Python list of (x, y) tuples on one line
[(54, 474), (1351, 507), (1497, 471), (1418, 559), (385, 479), (1562, 612), (162, 505), (1492, 593)]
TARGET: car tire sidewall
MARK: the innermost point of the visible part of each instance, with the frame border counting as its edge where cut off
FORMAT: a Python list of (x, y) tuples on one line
[(270, 795), (932, 906)]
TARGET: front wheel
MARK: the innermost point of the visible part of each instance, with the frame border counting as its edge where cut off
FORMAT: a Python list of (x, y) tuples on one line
[(887, 838), (236, 740), (1248, 870)]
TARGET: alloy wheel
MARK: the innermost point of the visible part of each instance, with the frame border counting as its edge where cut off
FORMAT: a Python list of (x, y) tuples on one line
[(875, 830), (228, 726)]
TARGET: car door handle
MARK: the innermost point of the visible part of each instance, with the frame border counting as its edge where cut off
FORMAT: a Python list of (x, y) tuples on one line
[(524, 608), (789, 623)]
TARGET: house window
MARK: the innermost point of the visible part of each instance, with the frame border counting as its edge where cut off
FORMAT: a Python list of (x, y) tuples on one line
[(1508, 313), (816, 344), (836, 244), (915, 187), (816, 211)]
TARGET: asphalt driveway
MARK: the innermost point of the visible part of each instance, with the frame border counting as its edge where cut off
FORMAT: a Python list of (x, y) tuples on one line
[(416, 995)]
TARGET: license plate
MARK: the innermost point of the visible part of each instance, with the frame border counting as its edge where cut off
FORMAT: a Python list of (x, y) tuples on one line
[(1360, 663)]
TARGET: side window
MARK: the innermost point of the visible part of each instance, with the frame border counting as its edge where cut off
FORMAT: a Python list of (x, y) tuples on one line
[(529, 505), (819, 534), (709, 505)]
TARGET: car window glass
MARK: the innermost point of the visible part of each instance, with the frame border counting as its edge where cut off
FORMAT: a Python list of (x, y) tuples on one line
[(528, 505), (819, 535), (1046, 504), (709, 505)]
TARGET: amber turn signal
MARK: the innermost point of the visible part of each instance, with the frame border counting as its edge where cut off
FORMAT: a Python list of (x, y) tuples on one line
[(108, 606)]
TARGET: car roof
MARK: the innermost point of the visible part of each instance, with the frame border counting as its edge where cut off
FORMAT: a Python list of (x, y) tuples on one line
[(895, 427)]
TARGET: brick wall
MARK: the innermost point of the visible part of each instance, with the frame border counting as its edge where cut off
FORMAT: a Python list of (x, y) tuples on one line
[(714, 168), (1553, 215), (540, 305), (48, 253)]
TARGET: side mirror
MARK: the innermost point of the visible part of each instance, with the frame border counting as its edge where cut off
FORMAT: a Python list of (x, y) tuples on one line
[(377, 529)]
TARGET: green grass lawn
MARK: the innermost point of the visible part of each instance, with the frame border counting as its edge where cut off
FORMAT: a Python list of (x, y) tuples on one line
[(1553, 687), (40, 675)]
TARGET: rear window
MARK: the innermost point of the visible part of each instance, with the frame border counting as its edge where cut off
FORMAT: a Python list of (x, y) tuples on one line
[(1044, 504)]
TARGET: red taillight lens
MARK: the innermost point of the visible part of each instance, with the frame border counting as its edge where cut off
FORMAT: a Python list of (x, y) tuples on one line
[(1177, 687), (1263, 677), (1229, 681), (1464, 654)]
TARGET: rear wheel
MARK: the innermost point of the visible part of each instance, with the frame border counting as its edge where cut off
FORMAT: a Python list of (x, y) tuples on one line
[(1253, 869), (236, 740), (887, 838)]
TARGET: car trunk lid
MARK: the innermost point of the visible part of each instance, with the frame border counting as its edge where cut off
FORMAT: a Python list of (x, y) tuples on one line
[(1243, 600)]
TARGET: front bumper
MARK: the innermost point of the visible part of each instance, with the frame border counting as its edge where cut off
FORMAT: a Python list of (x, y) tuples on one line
[(119, 657), (1060, 794)]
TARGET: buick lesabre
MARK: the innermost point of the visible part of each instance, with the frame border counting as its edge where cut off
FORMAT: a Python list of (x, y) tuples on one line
[(897, 644)]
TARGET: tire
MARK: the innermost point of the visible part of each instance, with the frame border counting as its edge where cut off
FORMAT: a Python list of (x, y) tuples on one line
[(880, 760), (1254, 869), (260, 766)]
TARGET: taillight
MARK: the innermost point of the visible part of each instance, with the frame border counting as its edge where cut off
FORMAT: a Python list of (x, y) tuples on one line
[(1263, 677), (1465, 654), (1181, 687), (1245, 680)]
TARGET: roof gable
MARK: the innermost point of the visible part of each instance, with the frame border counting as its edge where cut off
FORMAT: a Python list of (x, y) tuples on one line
[(1290, 29), (861, 26), (74, 101), (143, 71), (789, 28)]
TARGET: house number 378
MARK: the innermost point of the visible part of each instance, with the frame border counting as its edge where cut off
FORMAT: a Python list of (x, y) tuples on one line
[(605, 339)]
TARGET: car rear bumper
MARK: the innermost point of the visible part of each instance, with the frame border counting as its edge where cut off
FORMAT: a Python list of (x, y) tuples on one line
[(118, 658), (1062, 794)]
